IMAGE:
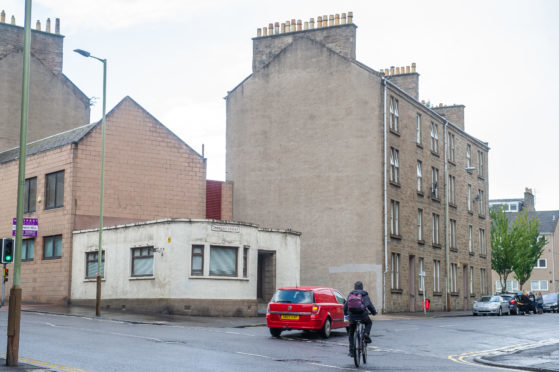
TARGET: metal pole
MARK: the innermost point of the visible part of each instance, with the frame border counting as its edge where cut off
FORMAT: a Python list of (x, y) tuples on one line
[(3, 282), (446, 232), (14, 312), (100, 252)]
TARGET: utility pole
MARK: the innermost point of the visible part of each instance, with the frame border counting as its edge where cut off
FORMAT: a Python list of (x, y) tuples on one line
[(14, 312)]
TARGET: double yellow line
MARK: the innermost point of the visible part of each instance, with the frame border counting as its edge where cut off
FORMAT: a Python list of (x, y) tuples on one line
[(47, 364)]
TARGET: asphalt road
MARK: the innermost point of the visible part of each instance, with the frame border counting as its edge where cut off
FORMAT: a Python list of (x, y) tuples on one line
[(446, 344)]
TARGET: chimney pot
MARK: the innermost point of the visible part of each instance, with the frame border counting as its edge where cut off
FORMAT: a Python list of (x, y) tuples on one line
[(319, 22), (38, 25), (13, 20), (331, 20), (258, 32), (312, 23), (337, 19), (413, 67), (408, 69), (283, 28), (3, 17), (423, 102), (403, 70), (276, 31), (324, 21), (299, 25), (265, 31), (306, 26), (349, 17), (343, 19), (57, 26), (397, 70), (47, 29), (440, 105), (391, 70)]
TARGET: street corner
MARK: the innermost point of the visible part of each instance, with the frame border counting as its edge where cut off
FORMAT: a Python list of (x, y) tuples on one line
[(542, 356)]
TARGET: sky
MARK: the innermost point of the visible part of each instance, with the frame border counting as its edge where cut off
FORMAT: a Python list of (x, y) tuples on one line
[(178, 59)]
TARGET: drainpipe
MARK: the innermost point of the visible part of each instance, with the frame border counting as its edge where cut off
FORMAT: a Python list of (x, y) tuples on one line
[(553, 260), (385, 200), (446, 237)]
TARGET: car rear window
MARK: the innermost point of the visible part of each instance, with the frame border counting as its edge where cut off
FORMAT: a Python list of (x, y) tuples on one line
[(293, 296)]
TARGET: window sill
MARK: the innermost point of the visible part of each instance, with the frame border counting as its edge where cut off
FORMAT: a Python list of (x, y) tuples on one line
[(51, 258), (395, 132), (435, 154), (482, 255), (396, 237), (219, 278), (436, 245), (30, 260), (455, 294), (451, 162), (482, 216), (419, 145), (396, 291), (435, 199), (142, 278), (452, 205), (453, 249), (395, 184), (470, 212), (472, 295), (438, 294), (420, 193), (420, 293), (421, 242), (472, 254), (92, 280), (481, 178)]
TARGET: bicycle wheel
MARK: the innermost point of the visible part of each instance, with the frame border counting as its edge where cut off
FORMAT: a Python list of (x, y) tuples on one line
[(357, 347), (364, 352)]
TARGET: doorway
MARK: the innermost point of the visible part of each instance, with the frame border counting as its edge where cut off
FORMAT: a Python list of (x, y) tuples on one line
[(411, 284), (266, 279), (465, 286)]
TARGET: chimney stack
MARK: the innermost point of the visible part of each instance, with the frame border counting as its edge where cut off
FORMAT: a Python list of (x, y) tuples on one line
[(529, 201)]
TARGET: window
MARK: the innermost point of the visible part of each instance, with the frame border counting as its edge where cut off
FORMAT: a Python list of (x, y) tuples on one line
[(91, 262), (245, 262), (541, 263), (142, 261), (27, 249), (452, 188), (453, 234), (469, 198), (197, 260), (513, 207), (511, 285), (471, 279), (434, 137), (394, 114), (436, 276), (481, 202), (453, 277), (419, 177), (420, 224), (394, 217), (482, 249), (539, 285), (436, 229), (394, 165), (480, 162), (54, 192), (434, 182), (395, 274), (30, 195), (469, 156), (418, 130), (223, 261), (52, 247), (483, 281), (421, 277), (451, 147), (470, 241)]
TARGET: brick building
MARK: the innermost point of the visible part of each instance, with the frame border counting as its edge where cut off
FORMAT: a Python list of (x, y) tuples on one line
[(55, 103), (149, 174), (382, 186)]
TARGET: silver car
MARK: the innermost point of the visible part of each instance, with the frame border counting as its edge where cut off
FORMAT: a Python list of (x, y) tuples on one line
[(495, 305)]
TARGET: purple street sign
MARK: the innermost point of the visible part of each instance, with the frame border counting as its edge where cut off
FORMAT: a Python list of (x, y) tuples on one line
[(30, 227)]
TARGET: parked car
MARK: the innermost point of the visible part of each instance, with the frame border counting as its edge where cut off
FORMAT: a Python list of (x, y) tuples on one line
[(511, 298), (550, 301), (526, 303), (495, 305), (306, 308)]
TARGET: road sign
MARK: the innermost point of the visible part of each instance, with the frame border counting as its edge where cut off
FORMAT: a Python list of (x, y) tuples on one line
[(30, 227)]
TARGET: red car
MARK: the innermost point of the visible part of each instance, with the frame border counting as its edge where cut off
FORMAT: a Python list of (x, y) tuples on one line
[(306, 308)]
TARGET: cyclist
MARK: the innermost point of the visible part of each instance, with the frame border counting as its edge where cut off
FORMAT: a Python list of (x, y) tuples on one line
[(362, 316)]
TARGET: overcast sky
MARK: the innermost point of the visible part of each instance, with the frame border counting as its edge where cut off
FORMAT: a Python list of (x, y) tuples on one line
[(179, 58)]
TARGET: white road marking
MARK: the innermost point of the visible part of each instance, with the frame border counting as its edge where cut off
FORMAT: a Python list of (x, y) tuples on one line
[(255, 355)]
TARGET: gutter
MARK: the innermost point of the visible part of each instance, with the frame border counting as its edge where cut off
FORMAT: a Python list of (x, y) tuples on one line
[(385, 200), (446, 232)]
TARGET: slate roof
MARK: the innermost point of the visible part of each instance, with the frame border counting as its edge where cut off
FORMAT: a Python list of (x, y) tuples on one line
[(548, 220), (49, 143)]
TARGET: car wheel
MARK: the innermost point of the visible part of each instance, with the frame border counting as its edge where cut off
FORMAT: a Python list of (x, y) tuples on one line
[(326, 328), (475, 314), (500, 311), (276, 332)]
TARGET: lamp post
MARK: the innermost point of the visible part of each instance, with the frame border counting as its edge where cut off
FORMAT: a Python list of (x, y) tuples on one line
[(103, 125)]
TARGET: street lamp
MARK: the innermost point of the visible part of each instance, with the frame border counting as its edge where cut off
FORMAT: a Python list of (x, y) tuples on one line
[(103, 125)]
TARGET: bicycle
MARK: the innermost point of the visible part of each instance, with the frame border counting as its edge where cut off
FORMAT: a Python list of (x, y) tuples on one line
[(359, 344)]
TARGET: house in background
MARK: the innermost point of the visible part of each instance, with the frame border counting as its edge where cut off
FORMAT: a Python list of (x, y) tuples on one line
[(55, 103), (545, 276)]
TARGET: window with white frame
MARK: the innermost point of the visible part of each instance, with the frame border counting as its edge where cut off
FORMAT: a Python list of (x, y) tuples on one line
[(394, 165), (452, 188), (394, 217), (434, 137), (471, 279), (223, 260), (395, 272), (419, 177), (511, 286), (483, 280), (481, 202), (418, 130), (541, 263), (453, 277), (420, 224), (421, 277), (482, 247), (434, 182), (469, 156), (453, 234), (469, 196), (451, 146), (539, 285), (470, 239), (480, 162), (436, 276), (394, 115), (435, 236)]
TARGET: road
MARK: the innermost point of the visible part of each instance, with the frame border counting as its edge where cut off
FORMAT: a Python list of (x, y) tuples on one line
[(417, 344)]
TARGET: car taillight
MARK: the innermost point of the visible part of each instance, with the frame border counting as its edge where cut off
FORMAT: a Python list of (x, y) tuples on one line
[(513, 301), (315, 309)]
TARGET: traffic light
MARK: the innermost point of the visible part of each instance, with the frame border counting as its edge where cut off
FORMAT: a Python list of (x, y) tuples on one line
[(6, 271), (7, 250)]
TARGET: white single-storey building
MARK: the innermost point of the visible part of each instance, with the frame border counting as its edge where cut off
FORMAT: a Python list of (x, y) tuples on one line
[(185, 266)]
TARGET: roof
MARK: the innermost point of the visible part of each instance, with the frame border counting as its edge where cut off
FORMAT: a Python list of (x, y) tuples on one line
[(505, 200), (49, 143), (548, 219)]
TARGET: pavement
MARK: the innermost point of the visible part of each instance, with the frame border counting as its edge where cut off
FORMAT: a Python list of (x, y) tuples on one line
[(544, 358)]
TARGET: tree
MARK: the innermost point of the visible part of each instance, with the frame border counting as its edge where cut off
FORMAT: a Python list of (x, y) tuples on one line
[(529, 247), (503, 245)]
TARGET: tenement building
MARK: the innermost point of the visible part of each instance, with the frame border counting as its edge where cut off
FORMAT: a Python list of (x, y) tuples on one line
[(384, 188)]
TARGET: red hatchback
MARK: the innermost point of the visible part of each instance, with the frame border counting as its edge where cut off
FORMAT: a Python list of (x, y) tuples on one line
[(306, 308)]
